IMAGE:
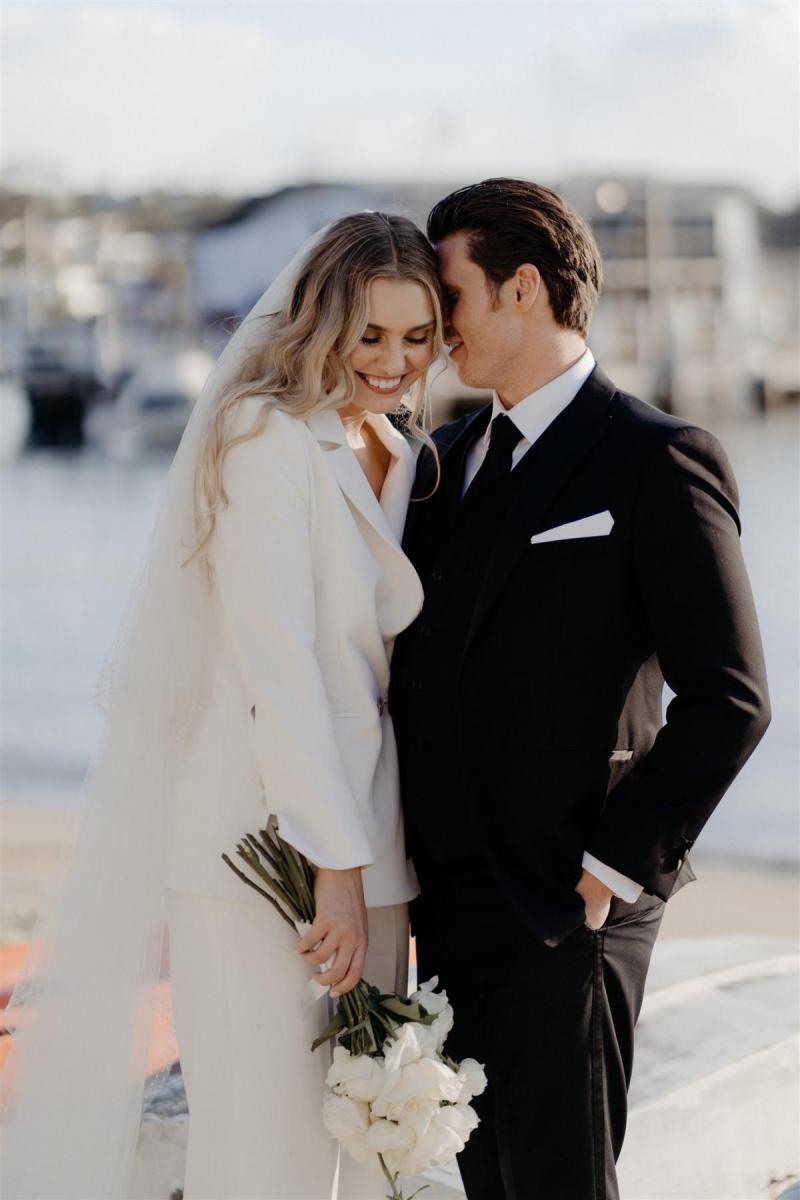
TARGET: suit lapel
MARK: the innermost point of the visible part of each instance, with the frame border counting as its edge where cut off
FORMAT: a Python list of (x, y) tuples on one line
[(548, 466), (453, 451)]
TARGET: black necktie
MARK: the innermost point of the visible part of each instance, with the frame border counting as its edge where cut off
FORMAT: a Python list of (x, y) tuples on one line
[(496, 466)]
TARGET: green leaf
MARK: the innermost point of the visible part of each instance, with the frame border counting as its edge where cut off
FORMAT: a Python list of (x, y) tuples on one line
[(330, 1030), (407, 1011)]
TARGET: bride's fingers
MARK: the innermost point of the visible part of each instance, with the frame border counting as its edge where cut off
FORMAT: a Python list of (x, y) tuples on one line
[(354, 972), (322, 952), (340, 965), (314, 935)]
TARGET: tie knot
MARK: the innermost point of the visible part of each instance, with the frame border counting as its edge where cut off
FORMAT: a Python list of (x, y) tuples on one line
[(496, 466), (503, 436)]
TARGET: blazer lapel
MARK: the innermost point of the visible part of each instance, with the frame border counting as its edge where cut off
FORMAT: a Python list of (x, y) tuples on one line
[(381, 529), (548, 465), (329, 432), (399, 478)]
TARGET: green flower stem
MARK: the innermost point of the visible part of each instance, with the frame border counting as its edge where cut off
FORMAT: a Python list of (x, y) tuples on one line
[(395, 1195), (294, 878), (275, 885), (299, 876), (344, 1004), (268, 849), (261, 891)]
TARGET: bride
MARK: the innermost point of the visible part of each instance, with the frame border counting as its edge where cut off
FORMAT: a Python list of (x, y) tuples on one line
[(247, 683)]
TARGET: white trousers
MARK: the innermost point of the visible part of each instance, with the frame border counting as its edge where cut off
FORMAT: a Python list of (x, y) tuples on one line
[(254, 1089)]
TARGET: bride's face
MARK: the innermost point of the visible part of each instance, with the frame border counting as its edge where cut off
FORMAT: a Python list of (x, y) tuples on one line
[(397, 345)]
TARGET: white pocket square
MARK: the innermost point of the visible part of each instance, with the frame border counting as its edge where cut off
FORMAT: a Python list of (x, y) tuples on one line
[(598, 525)]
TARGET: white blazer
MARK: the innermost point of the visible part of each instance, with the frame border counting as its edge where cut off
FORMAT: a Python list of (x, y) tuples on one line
[(311, 590)]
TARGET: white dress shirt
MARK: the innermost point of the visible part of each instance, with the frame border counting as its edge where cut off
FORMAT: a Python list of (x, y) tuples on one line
[(531, 417)]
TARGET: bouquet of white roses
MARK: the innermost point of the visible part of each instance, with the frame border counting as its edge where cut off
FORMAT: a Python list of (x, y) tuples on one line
[(396, 1100)]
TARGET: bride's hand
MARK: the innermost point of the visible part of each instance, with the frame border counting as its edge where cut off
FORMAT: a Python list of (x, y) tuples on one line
[(340, 928)]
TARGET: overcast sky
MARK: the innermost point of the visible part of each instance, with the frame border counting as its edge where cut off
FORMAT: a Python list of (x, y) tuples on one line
[(248, 96)]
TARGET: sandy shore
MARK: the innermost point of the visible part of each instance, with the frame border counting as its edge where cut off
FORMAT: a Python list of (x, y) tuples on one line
[(725, 899)]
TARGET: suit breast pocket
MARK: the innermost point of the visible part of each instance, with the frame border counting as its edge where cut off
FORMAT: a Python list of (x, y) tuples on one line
[(571, 548)]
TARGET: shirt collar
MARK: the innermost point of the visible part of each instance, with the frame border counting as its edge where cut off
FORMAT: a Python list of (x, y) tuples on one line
[(538, 410)]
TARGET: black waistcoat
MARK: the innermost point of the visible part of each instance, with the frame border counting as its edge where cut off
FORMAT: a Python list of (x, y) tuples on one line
[(450, 548)]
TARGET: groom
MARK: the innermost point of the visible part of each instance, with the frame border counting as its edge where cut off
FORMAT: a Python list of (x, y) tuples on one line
[(579, 548)]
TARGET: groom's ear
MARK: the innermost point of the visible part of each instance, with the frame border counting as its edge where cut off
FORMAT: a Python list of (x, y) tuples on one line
[(527, 286)]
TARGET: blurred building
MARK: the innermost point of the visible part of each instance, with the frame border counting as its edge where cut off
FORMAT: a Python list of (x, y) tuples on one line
[(234, 258), (90, 287), (96, 287), (777, 354), (699, 314), (691, 272), (678, 318)]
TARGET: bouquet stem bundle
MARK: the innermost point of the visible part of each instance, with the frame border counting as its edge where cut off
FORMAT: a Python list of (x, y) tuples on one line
[(414, 1124)]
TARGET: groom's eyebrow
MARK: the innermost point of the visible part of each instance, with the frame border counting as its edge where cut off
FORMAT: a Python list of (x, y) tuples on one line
[(413, 329)]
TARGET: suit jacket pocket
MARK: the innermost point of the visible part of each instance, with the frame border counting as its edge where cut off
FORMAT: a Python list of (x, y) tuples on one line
[(573, 548)]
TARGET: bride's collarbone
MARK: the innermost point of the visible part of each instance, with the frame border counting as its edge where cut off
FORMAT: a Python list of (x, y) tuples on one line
[(374, 459)]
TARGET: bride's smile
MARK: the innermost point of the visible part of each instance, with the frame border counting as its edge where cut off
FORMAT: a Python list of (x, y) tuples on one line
[(396, 346)]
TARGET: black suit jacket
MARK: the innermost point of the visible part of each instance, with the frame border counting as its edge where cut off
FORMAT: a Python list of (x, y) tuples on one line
[(571, 641)]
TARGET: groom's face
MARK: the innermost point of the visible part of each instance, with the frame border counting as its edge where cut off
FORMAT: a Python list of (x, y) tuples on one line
[(482, 332)]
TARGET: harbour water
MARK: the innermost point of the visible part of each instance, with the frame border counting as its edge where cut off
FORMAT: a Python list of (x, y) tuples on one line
[(75, 526)]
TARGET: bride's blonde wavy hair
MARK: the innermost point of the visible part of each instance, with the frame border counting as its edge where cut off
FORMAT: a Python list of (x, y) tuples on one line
[(303, 364)]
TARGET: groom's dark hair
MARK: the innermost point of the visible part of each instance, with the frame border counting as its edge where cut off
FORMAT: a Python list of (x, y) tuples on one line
[(511, 221)]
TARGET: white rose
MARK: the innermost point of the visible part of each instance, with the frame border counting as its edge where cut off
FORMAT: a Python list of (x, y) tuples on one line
[(412, 1041), (387, 1136), (442, 1025), (348, 1121), (445, 1138), (473, 1079), (460, 1118), (433, 1002), (417, 1114), (427, 1078), (358, 1076)]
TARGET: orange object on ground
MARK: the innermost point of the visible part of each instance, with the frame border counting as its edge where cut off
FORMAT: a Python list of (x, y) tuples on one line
[(163, 1044), (11, 957)]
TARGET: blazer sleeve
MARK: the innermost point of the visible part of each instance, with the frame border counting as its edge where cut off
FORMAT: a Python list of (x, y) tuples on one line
[(699, 605), (264, 569)]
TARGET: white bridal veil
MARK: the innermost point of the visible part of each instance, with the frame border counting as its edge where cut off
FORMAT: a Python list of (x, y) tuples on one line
[(84, 1005)]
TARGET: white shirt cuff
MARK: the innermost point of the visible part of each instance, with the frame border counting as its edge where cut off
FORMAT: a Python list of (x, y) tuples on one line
[(627, 889)]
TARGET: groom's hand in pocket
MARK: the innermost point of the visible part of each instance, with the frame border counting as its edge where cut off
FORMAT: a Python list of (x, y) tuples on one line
[(340, 929), (597, 898)]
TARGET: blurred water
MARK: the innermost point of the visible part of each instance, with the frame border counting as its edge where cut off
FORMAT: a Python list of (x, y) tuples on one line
[(75, 527)]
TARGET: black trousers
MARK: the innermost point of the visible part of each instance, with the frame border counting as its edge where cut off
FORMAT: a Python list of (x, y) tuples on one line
[(553, 1026)]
